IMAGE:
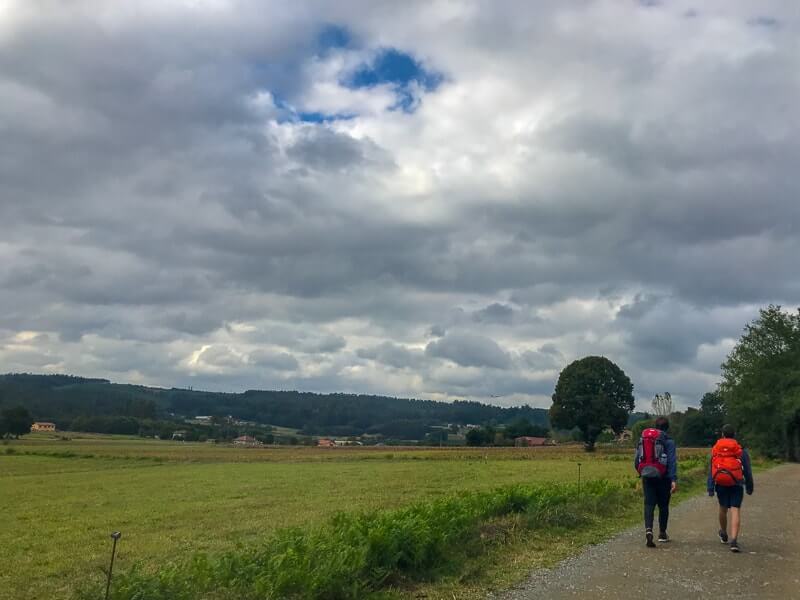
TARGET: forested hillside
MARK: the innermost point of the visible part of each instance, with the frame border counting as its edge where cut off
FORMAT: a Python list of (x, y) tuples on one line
[(63, 399)]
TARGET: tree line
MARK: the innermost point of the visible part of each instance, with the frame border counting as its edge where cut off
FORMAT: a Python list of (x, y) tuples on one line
[(759, 393), (98, 405)]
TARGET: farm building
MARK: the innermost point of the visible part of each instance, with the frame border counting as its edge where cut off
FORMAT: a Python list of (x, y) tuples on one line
[(625, 436), (526, 441), (246, 440), (326, 443), (43, 426)]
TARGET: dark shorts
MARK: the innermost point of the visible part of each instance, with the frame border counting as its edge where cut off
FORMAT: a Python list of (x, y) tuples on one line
[(730, 496)]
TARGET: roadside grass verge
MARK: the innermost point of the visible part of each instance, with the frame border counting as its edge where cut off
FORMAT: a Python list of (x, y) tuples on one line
[(362, 555)]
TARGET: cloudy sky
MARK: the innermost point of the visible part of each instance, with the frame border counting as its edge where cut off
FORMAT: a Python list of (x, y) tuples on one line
[(440, 199)]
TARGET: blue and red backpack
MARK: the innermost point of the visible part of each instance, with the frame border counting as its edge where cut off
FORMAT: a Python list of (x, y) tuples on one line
[(652, 454)]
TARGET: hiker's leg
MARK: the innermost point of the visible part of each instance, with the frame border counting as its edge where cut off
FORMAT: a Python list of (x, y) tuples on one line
[(735, 522), (723, 518), (650, 501), (663, 505), (649, 515)]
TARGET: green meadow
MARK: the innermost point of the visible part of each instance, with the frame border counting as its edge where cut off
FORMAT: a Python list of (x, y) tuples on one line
[(61, 499)]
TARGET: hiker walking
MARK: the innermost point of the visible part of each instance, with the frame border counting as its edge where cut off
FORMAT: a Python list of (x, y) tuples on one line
[(657, 465), (729, 476)]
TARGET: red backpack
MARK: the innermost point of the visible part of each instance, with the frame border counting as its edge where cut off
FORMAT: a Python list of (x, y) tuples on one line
[(652, 453), (726, 462)]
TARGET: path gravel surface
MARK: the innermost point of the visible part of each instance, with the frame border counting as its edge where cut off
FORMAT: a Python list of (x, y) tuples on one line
[(694, 564)]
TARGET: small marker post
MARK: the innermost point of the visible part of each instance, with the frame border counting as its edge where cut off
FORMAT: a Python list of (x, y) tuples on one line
[(579, 478), (115, 536)]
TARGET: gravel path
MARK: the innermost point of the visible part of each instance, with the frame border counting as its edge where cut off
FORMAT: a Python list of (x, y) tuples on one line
[(694, 564)]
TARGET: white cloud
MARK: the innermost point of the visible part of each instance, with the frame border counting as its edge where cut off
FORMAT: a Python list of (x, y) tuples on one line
[(596, 178)]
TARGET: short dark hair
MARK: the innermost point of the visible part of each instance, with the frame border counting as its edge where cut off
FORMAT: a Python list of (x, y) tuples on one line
[(728, 431), (662, 423)]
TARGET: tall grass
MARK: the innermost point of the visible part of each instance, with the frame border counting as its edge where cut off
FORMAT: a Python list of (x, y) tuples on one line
[(354, 555)]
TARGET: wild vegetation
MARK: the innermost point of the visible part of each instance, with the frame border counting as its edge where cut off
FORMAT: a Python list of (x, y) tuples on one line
[(173, 500), (760, 388)]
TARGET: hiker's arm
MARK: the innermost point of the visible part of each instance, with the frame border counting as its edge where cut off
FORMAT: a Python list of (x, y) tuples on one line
[(710, 481), (672, 461), (748, 472)]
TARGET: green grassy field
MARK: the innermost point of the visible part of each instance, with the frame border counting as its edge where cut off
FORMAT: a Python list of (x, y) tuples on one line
[(61, 499)]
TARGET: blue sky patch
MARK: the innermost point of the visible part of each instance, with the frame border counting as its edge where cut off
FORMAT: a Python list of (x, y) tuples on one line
[(400, 69), (318, 117), (393, 66)]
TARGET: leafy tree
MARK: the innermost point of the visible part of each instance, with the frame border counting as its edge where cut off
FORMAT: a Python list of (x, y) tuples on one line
[(713, 409), (760, 386), (605, 437), (523, 427), (697, 429), (592, 393), (15, 421), (640, 426), (475, 437)]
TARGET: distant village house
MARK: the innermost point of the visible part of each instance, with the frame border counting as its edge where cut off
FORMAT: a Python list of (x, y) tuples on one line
[(528, 441), (625, 436), (247, 441), (43, 426), (326, 443)]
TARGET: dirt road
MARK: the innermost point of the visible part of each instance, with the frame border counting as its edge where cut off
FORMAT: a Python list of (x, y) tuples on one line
[(694, 564)]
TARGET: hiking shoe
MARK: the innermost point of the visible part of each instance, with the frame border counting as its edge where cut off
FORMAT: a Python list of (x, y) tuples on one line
[(649, 535), (663, 538), (723, 536), (734, 546)]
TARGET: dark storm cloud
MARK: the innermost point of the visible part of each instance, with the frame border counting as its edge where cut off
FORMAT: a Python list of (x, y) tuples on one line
[(495, 313), (393, 355), (469, 350), (280, 361)]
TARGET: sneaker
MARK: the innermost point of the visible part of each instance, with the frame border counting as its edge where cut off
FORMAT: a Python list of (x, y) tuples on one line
[(734, 546), (723, 536), (663, 538), (649, 535)]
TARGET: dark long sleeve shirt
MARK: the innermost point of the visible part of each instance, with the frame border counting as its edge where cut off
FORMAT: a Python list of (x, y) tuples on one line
[(672, 458), (747, 470)]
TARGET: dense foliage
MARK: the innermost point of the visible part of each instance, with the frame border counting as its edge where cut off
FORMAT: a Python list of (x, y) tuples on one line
[(591, 394), (63, 399), (356, 555), (15, 421), (760, 384)]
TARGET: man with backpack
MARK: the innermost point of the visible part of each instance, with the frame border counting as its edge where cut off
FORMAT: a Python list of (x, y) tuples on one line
[(730, 470), (657, 465)]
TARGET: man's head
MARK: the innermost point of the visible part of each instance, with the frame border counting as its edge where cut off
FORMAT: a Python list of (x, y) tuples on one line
[(728, 431), (662, 423)]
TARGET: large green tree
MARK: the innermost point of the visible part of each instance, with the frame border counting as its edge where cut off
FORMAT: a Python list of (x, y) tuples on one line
[(760, 384), (591, 394), (15, 421)]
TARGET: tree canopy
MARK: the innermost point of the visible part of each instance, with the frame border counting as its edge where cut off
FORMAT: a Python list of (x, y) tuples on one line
[(15, 421), (760, 384), (591, 394)]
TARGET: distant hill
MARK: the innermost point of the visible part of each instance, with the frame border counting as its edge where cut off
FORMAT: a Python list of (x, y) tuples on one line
[(64, 398)]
